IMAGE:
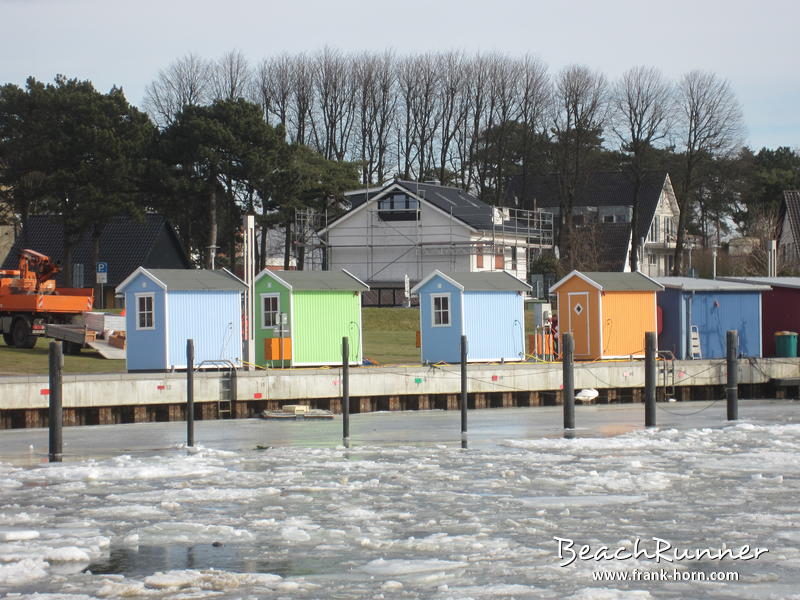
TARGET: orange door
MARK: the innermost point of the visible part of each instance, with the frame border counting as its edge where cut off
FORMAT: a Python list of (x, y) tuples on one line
[(578, 322)]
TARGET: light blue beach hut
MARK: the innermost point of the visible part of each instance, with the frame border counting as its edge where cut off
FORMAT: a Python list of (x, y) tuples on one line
[(487, 307), (166, 307)]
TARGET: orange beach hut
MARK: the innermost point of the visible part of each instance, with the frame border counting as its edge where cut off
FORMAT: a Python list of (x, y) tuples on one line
[(607, 313)]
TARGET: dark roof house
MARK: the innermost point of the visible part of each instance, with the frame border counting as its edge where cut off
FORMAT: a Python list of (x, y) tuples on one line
[(603, 207), (789, 233), (125, 244)]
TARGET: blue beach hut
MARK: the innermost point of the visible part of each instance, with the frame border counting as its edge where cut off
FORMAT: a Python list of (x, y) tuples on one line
[(487, 307), (699, 313), (166, 307)]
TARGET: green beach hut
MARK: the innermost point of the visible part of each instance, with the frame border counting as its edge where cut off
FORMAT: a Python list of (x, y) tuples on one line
[(302, 316)]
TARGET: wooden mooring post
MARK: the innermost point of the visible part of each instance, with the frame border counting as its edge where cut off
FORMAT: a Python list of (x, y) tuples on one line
[(650, 342), (346, 392), (56, 424), (190, 393), (733, 375), (463, 391), (568, 379)]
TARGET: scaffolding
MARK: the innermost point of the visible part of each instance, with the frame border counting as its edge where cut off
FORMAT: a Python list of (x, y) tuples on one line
[(378, 244)]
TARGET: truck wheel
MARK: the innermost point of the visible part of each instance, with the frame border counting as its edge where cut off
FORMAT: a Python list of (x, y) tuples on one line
[(8, 339), (21, 333)]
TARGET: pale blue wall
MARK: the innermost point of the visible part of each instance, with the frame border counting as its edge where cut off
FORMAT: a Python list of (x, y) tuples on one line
[(213, 319), (440, 344), (145, 349), (494, 324)]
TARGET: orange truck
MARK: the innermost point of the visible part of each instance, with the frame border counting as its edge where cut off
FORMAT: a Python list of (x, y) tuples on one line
[(30, 300)]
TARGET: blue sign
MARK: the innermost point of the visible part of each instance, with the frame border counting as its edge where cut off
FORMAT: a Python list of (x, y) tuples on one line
[(102, 267)]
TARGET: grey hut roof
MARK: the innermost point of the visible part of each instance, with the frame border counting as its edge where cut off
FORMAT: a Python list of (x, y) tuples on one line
[(614, 282), (309, 281), (786, 282), (692, 284), (483, 281), (192, 279)]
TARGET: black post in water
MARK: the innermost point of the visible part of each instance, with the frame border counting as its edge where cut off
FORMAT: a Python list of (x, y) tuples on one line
[(346, 392), (733, 375), (463, 388), (190, 393), (650, 379), (56, 414), (568, 347)]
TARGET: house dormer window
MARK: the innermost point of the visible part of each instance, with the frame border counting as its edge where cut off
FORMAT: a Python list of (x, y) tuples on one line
[(398, 206)]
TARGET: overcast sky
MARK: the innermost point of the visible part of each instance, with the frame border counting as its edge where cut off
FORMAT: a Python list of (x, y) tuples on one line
[(754, 44)]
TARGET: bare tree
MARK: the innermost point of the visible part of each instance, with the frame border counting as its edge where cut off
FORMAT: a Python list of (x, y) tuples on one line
[(231, 77), (642, 106), (332, 122), (273, 86), (302, 103), (185, 82), (579, 114), (710, 124), (535, 105), (452, 101), (375, 103)]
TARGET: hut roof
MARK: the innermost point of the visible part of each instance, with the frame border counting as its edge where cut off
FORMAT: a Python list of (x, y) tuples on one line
[(692, 284), (785, 282), (190, 279), (308, 281), (614, 282), (483, 281)]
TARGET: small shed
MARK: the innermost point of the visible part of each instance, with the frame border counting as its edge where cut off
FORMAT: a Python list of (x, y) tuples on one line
[(709, 308), (779, 307), (166, 307), (487, 307), (302, 316), (608, 314)]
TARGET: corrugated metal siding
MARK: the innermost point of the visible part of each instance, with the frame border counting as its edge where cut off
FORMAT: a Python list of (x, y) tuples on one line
[(494, 324), (266, 285), (145, 349), (716, 313), (627, 316), (673, 333), (321, 320), (779, 312), (213, 319), (440, 344)]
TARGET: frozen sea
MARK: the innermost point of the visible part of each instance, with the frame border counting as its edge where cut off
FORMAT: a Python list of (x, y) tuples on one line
[(282, 510)]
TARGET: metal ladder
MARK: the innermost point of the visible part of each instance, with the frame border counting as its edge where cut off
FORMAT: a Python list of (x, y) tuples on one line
[(694, 336), (666, 371), (227, 388)]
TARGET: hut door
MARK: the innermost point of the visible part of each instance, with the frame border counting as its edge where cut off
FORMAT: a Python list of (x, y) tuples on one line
[(578, 322)]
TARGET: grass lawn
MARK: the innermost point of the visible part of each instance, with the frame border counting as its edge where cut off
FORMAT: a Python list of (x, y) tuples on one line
[(16, 361)]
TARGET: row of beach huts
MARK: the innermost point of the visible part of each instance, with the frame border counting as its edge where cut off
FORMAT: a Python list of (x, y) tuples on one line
[(301, 316)]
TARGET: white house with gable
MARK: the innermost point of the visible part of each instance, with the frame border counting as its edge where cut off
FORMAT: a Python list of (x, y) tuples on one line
[(410, 229)]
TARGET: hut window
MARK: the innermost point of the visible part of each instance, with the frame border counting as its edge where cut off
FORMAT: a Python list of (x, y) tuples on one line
[(441, 310), (144, 311), (270, 310)]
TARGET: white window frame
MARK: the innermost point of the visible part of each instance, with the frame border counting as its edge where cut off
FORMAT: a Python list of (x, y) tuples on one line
[(264, 298), (654, 237), (448, 312), (143, 296)]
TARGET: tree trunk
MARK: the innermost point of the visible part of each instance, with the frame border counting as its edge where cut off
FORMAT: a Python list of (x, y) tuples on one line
[(287, 246), (262, 244), (212, 228), (97, 230)]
